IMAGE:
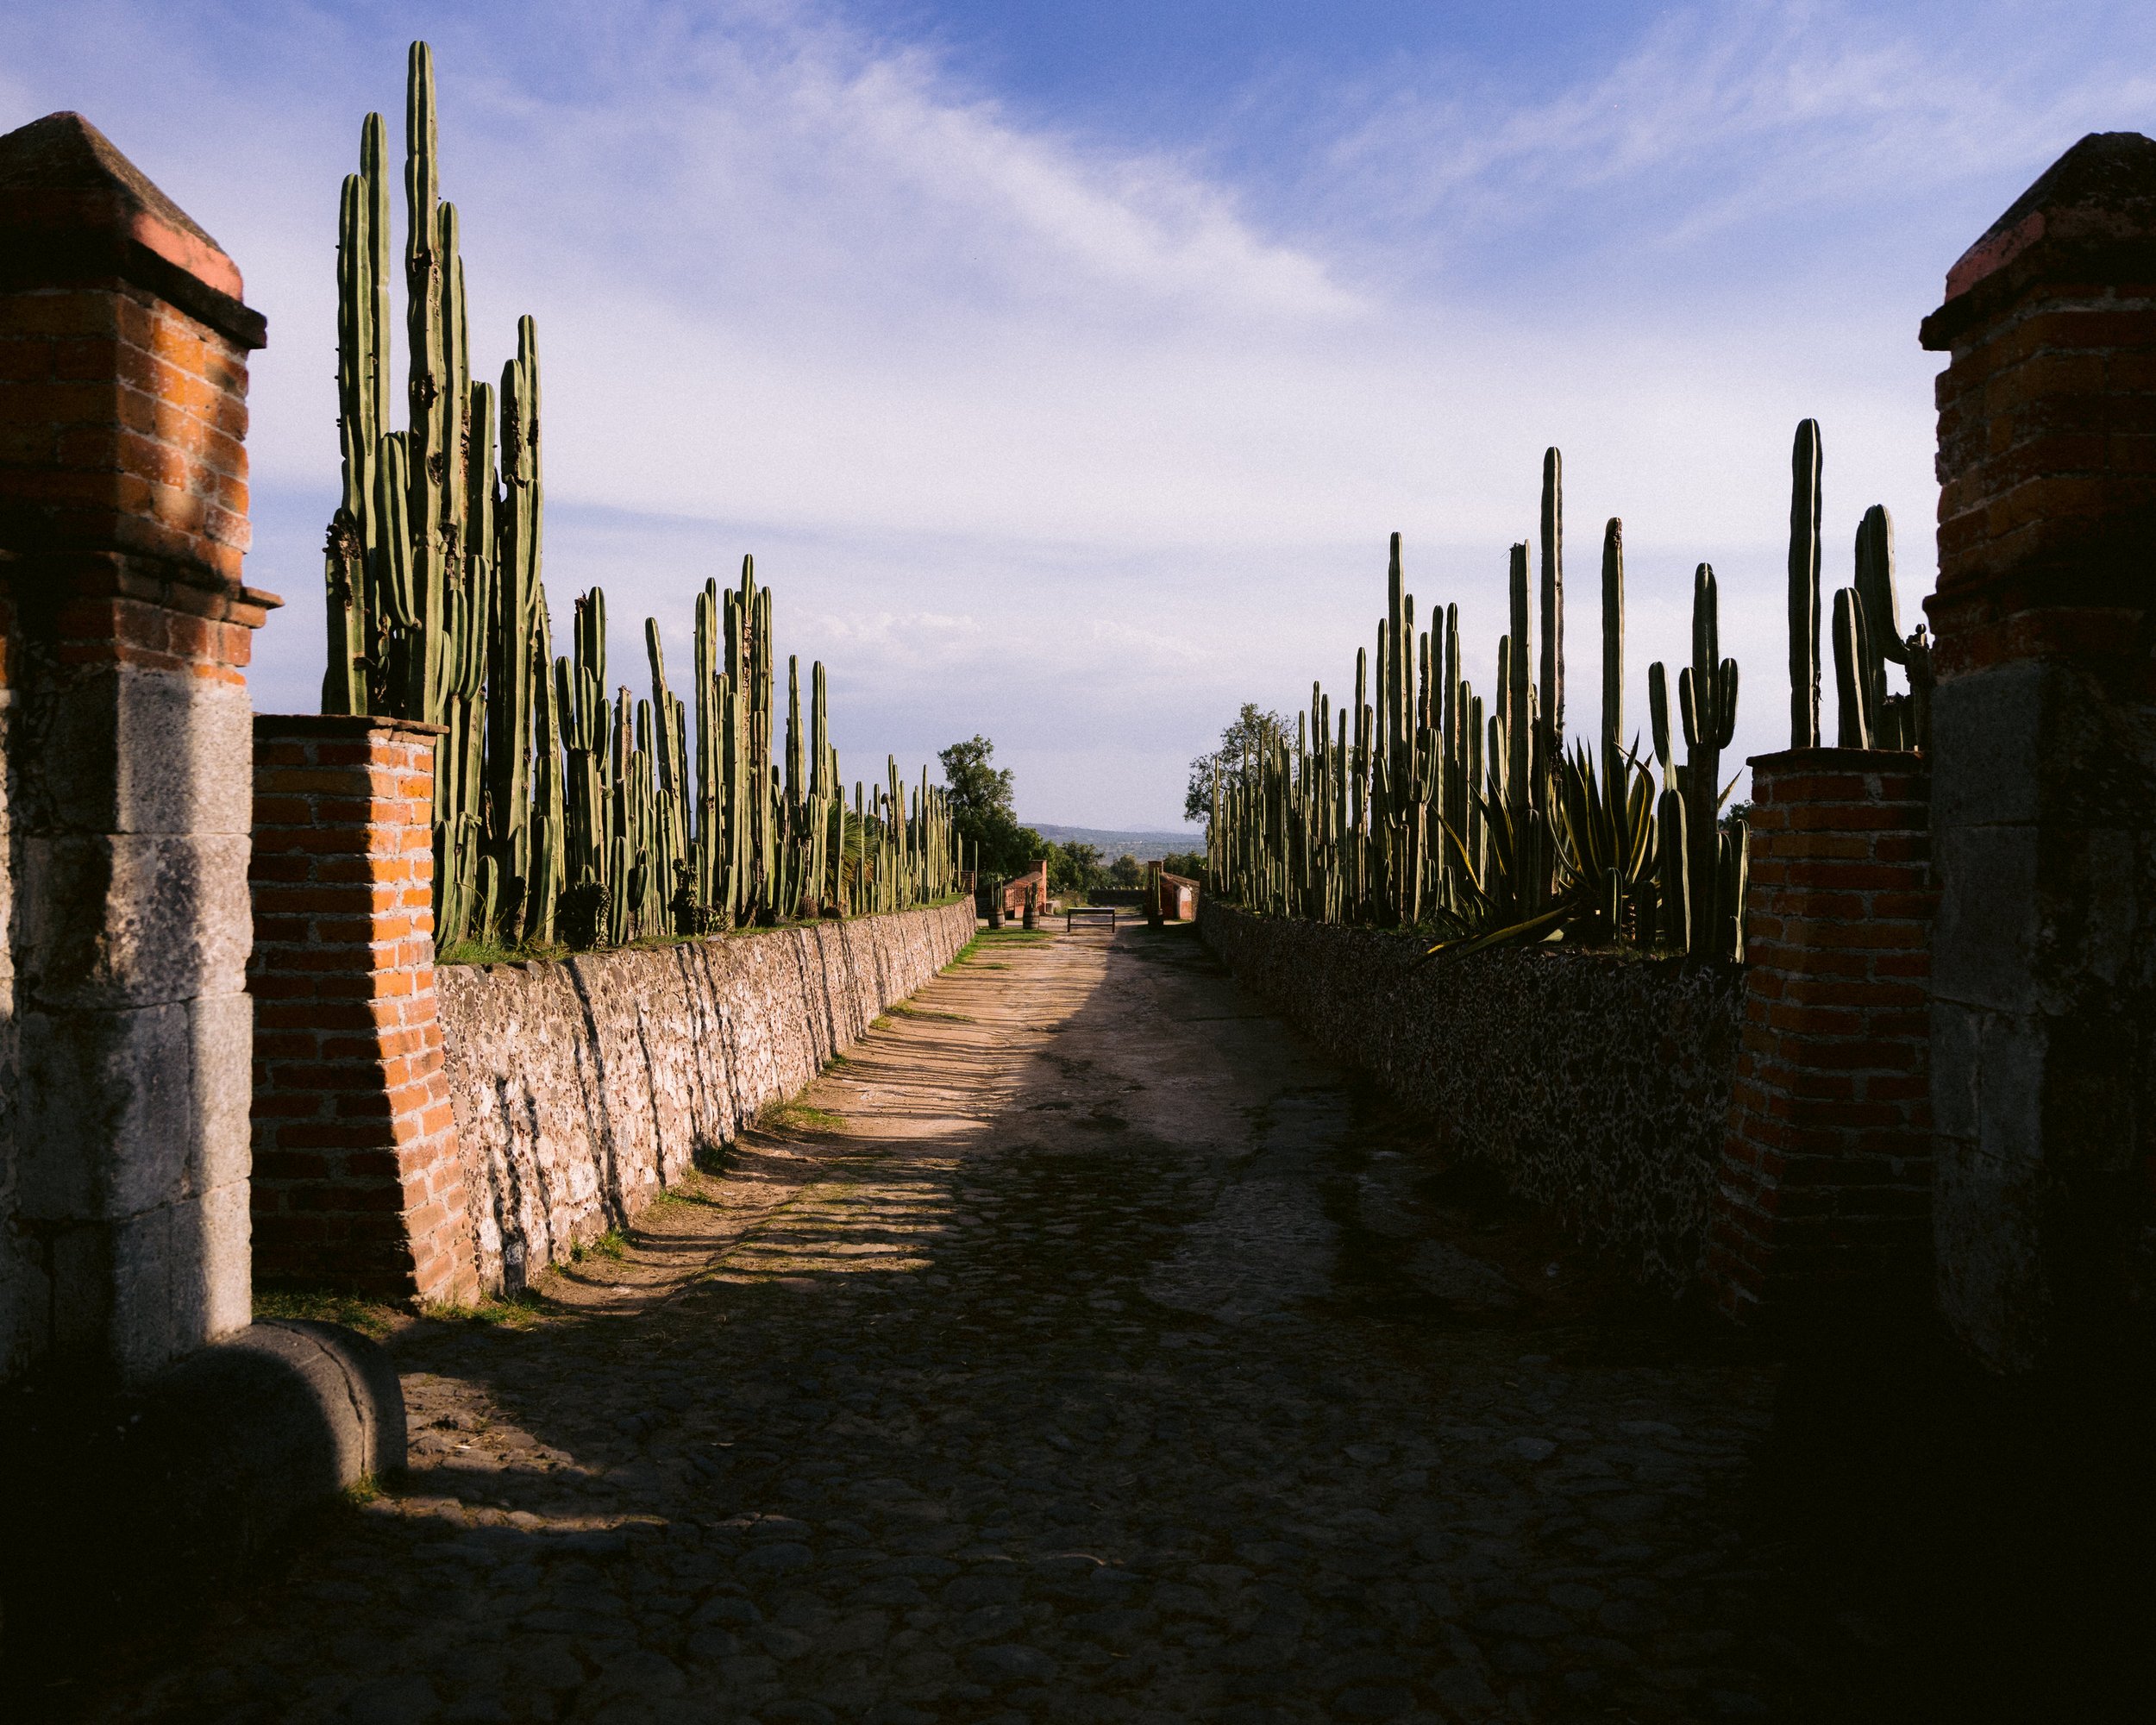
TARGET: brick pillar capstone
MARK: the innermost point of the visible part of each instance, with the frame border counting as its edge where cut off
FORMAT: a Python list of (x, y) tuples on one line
[(2044, 727), (357, 1181), (1823, 1207), (123, 1142)]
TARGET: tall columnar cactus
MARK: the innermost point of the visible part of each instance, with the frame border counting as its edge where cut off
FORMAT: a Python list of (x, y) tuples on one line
[(1516, 683), (1867, 637), (1706, 694), (411, 557), (1804, 530), (363, 359), (1673, 854), (1552, 681), (558, 811), (1854, 658), (1413, 802), (517, 653), (1613, 648), (549, 818)]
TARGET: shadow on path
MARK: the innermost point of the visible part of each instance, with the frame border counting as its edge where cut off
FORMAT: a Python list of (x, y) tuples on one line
[(1106, 1357)]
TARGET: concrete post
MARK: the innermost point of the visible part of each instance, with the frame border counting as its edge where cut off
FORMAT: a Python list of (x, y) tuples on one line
[(2044, 997), (123, 1158)]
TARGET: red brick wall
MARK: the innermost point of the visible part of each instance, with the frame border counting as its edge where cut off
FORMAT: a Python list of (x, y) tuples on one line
[(357, 1183), (123, 478), (124, 422), (2047, 420), (1825, 1191)]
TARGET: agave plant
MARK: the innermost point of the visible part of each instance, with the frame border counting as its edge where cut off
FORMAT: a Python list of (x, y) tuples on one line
[(1604, 840)]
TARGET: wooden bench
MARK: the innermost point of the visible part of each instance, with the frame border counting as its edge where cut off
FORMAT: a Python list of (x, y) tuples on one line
[(1091, 916)]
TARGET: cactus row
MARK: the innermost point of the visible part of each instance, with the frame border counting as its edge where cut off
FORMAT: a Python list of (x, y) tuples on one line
[(1412, 808), (1417, 812), (563, 811)]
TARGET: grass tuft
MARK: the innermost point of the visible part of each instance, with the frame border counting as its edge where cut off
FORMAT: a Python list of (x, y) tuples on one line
[(612, 1245), (515, 1312), (492, 951), (375, 1318), (906, 1009), (796, 1116)]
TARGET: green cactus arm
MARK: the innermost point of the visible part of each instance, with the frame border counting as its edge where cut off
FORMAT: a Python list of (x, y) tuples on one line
[(1875, 585), (1853, 722), (1553, 667), (1658, 712), (391, 583), (1706, 624), (1612, 637), (1805, 462), (1674, 874)]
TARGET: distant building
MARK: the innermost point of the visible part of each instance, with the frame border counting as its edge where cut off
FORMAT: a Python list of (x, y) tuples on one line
[(1034, 880), (1178, 897)]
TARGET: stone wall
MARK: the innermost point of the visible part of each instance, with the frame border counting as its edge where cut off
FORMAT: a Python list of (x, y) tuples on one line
[(1597, 1085), (583, 1086)]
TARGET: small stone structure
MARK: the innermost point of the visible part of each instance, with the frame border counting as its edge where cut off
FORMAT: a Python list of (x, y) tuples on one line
[(1824, 1205), (2043, 730), (585, 1087), (1035, 881), (1178, 897), (356, 1175), (1595, 1083)]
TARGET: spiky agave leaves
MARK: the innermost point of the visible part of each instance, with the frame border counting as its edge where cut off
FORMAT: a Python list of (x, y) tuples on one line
[(1603, 835)]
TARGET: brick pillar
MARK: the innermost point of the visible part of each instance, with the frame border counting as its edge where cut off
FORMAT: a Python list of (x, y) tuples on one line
[(1825, 1198), (357, 1184), (123, 1145), (2044, 1015)]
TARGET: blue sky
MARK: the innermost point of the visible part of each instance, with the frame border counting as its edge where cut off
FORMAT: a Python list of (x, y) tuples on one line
[(1066, 365)]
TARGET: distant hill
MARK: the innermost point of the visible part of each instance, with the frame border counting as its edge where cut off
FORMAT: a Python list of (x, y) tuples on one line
[(1145, 846)]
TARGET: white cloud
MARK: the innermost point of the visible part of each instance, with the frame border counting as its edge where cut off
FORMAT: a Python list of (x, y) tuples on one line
[(1747, 114), (1078, 444)]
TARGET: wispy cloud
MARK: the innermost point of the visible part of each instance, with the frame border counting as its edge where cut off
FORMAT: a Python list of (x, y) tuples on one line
[(1078, 441), (1733, 116)]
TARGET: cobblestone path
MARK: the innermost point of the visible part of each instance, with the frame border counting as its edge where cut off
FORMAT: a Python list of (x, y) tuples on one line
[(1083, 1350)]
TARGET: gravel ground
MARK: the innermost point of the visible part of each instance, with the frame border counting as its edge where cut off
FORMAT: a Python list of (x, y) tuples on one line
[(1085, 1350)]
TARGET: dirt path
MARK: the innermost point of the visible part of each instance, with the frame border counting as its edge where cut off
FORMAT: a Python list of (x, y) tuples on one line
[(1082, 1349)]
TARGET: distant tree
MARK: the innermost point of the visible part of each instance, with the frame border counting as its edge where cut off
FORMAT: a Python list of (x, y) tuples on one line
[(982, 799), (1127, 871), (1074, 867), (1252, 728), (1190, 865), (978, 791)]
